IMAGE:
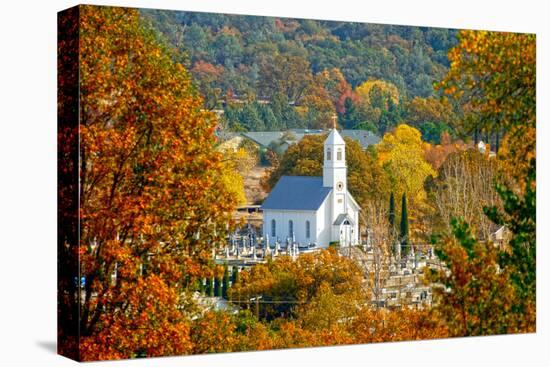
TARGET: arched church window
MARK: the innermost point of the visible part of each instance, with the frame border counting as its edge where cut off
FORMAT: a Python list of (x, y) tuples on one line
[(339, 155), (273, 228), (307, 229), (290, 228), (328, 154)]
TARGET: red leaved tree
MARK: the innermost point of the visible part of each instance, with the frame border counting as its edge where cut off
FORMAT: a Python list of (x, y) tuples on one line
[(152, 204)]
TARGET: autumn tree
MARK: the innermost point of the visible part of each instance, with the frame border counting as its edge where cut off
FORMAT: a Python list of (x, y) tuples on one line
[(372, 89), (316, 107), (463, 187), (401, 155), (379, 104), (286, 74), (327, 310), (431, 116), (285, 284), (492, 76), (149, 190), (232, 178), (380, 325), (214, 332), (473, 295), (436, 154), (381, 237), (337, 87), (205, 75), (237, 163), (234, 275), (518, 215)]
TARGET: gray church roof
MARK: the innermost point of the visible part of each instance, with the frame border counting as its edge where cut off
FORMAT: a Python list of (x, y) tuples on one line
[(297, 193), (341, 218)]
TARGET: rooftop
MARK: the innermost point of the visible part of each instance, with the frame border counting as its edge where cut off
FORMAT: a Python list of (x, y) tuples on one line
[(297, 193), (343, 217), (264, 138)]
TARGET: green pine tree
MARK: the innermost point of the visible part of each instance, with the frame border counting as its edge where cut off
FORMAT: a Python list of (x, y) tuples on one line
[(350, 118), (210, 287), (270, 121), (200, 287), (225, 285), (404, 235), (250, 118), (217, 287), (519, 216)]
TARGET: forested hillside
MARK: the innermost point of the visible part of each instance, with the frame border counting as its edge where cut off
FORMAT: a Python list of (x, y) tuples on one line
[(278, 73)]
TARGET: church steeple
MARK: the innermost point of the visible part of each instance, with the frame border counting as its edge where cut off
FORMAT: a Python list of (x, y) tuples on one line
[(334, 167)]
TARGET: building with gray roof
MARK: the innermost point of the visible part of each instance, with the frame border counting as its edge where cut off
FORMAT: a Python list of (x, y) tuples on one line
[(284, 139)]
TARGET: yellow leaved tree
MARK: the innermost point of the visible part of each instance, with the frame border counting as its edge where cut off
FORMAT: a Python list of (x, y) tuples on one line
[(401, 153)]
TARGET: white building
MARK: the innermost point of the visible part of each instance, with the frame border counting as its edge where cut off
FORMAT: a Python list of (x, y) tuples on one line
[(314, 210)]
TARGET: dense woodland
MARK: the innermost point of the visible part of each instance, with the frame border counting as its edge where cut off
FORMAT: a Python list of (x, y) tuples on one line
[(276, 73), (152, 175)]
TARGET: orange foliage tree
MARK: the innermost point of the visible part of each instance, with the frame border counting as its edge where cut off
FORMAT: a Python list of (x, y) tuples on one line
[(382, 325), (438, 153), (486, 290), (493, 76), (285, 284), (473, 295), (214, 332), (317, 300), (150, 208)]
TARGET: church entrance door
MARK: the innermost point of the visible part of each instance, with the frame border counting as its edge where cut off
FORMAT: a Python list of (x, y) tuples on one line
[(345, 234)]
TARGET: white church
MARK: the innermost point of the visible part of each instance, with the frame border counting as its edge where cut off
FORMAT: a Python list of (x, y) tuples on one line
[(314, 210)]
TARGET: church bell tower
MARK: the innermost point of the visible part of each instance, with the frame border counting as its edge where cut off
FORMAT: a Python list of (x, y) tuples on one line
[(335, 170), (334, 166)]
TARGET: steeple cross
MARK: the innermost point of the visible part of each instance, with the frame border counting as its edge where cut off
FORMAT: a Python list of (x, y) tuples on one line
[(334, 121)]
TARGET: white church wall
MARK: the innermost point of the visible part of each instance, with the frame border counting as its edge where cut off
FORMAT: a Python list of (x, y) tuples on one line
[(323, 223), (352, 211), (282, 218)]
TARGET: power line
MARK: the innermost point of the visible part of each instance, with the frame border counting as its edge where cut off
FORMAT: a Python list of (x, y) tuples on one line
[(272, 302)]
